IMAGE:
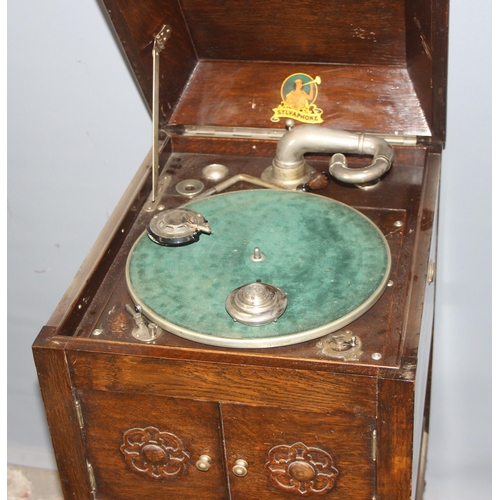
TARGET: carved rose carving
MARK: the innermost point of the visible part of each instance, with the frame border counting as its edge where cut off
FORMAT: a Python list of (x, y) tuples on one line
[(155, 453), (301, 469)]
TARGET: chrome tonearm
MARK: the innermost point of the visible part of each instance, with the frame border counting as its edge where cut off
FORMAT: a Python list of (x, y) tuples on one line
[(289, 167)]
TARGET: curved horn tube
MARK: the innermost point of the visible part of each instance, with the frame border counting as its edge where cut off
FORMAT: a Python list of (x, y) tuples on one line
[(316, 139)]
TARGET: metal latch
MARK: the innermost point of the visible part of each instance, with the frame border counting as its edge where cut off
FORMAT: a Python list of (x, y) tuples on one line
[(345, 346), (146, 332)]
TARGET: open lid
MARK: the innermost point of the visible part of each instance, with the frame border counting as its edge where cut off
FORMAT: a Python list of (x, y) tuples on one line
[(373, 65)]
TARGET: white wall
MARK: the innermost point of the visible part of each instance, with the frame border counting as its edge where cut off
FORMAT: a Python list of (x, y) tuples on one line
[(78, 131), (460, 433)]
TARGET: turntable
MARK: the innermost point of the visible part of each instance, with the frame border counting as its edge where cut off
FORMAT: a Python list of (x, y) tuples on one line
[(255, 320), (316, 250)]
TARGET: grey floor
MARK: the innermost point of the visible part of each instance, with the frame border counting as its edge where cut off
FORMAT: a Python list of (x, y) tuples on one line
[(28, 483)]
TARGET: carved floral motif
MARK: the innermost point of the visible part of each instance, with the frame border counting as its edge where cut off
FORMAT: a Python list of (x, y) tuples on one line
[(155, 453), (301, 469)]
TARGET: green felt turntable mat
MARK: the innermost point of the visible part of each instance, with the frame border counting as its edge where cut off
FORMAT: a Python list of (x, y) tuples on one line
[(331, 261)]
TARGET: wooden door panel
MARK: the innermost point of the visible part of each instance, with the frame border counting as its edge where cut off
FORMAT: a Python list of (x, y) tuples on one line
[(148, 446), (296, 454)]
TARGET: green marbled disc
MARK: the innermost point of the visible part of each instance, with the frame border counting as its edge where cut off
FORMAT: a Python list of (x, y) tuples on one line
[(331, 261)]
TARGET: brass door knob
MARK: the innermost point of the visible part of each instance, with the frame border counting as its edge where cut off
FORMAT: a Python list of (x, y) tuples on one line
[(240, 468), (204, 463)]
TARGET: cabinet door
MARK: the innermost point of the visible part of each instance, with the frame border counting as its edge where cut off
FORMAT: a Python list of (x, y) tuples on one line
[(149, 447), (290, 454)]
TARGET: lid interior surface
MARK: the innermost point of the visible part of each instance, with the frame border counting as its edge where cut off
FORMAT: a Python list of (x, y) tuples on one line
[(385, 60)]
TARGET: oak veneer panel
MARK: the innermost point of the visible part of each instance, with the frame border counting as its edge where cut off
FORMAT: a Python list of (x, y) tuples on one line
[(376, 99), (251, 432), (324, 31), (108, 416), (253, 385)]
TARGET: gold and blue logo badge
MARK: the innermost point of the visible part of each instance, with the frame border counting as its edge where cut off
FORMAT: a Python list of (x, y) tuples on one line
[(298, 94)]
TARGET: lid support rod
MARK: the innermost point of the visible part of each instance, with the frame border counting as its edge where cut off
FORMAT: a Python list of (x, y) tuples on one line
[(159, 44)]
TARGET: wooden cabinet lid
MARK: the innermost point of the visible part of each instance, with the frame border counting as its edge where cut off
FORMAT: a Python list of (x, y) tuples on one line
[(381, 63)]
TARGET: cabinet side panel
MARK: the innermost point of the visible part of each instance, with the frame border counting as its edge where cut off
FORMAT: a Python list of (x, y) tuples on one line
[(422, 375), (62, 418), (394, 439), (427, 58)]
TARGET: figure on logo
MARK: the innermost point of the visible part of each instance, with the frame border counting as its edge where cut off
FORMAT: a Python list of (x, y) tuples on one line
[(297, 98)]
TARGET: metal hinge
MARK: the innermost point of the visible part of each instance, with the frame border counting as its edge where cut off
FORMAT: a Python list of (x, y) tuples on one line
[(79, 413), (232, 132), (431, 271), (374, 454), (374, 445), (90, 470), (263, 133)]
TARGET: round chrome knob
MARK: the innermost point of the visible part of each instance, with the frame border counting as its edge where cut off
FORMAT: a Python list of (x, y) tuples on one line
[(256, 304), (240, 468), (204, 463)]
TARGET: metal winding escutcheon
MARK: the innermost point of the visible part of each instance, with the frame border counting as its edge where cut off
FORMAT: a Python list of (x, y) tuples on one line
[(344, 346)]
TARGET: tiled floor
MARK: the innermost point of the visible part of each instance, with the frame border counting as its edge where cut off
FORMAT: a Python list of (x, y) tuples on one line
[(27, 483)]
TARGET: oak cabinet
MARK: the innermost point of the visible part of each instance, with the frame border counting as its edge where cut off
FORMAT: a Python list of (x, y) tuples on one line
[(340, 416)]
